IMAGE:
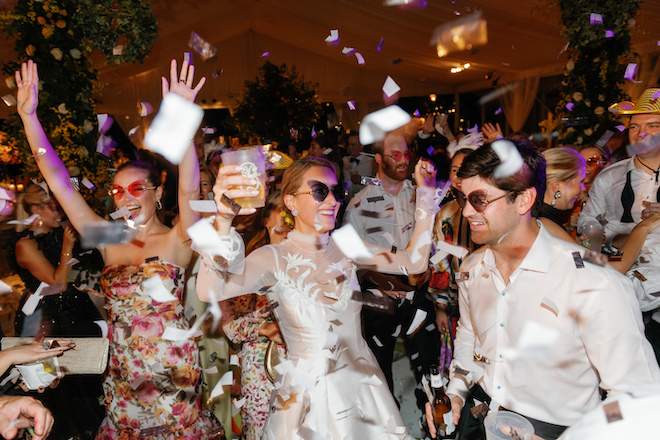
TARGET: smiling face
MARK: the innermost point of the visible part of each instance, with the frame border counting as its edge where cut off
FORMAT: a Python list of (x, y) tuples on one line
[(642, 126), (143, 206), (595, 163), (50, 214), (500, 217), (570, 191), (311, 212), (393, 161), (456, 163)]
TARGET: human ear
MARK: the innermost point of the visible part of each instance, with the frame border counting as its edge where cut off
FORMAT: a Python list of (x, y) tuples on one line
[(288, 202), (526, 200)]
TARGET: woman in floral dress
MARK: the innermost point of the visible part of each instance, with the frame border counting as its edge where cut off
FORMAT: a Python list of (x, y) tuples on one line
[(152, 385)]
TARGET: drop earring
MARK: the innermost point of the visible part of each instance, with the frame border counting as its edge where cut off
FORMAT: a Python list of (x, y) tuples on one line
[(557, 196), (159, 204)]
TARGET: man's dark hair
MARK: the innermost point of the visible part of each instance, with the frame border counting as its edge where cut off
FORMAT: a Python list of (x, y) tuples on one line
[(482, 163)]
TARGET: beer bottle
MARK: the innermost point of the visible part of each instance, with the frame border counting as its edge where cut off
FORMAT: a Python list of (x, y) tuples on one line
[(441, 403)]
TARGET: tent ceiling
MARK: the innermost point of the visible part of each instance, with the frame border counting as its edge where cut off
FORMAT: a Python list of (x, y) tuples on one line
[(521, 43)]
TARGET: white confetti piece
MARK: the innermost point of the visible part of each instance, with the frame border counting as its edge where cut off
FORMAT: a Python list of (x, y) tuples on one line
[(350, 243), (122, 212), (418, 320), (146, 108), (360, 58), (510, 157), (351, 105), (26, 222), (206, 238), (157, 367), (211, 370), (104, 145), (390, 88), (105, 122), (238, 403), (137, 382), (333, 37), (348, 51), (31, 304), (377, 341), (132, 131), (173, 127), (233, 360), (374, 126), (88, 184), (5, 288), (397, 331), (177, 334), (156, 290), (203, 206), (449, 248)]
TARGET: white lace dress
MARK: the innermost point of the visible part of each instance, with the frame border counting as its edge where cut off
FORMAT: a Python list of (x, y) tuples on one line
[(330, 386)]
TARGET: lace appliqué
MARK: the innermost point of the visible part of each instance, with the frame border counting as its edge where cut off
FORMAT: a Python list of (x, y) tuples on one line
[(428, 202), (232, 257), (302, 293)]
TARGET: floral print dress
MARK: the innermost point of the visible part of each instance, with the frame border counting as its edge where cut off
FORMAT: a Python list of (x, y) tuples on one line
[(243, 328), (152, 386)]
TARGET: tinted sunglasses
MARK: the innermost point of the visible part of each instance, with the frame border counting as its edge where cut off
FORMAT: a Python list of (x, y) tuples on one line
[(320, 191), (136, 189), (477, 199), (398, 155), (595, 160)]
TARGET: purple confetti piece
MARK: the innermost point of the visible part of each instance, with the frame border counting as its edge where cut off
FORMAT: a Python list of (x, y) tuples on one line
[(416, 113), (631, 70), (348, 51), (570, 106), (314, 135), (380, 44), (430, 150), (609, 34), (351, 105), (473, 129), (621, 128), (596, 18), (656, 95), (265, 54), (498, 111), (188, 56)]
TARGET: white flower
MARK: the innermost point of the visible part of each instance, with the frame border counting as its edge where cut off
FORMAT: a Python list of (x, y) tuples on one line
[(570, 65), (11, 82), (75, 53), (577, 96), (588, 131), (56, 53), (599, 110), (87, 126), (62, 109)]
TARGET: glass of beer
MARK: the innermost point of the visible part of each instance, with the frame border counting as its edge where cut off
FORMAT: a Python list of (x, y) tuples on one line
[(253, 164)]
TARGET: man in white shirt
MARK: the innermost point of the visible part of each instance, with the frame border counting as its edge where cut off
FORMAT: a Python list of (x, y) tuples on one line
[(384, 215), (357, 164), (541, 328), (628, 192)]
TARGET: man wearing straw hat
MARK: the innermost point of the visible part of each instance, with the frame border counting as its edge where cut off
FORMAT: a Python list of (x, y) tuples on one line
[(627, 193)]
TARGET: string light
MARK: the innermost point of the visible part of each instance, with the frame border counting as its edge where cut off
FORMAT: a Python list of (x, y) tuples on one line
[(460, 68)]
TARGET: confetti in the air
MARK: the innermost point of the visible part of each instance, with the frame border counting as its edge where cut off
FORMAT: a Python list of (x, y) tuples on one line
[(510, 157), (333, 38), (380, 44), (596, 18), (390, 87), (351, 105)]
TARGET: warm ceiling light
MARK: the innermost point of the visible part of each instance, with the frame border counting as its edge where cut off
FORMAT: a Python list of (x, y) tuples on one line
[(432, 97)]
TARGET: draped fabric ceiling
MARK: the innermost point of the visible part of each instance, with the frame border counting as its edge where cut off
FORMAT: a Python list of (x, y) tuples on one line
[(523, 43)]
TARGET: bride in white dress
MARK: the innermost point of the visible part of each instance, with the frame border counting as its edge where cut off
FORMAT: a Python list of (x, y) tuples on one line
[(330, 386)]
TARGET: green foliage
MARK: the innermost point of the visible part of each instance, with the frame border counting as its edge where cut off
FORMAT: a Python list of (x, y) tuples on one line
[(275, 102), (59, 35), (595, 71)]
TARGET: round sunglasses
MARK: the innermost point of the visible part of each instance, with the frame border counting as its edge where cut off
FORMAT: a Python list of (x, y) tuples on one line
[(319, 191), (477, 199), (136, 189)]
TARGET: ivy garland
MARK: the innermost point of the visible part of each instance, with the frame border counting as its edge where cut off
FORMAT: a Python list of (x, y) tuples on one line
[(275, 102), (597, 63), (60, 35)]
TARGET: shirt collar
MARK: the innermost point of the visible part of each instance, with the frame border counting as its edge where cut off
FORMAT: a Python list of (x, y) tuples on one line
[(536, 260)]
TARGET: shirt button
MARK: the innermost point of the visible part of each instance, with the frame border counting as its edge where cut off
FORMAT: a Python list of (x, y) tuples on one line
[(503, 293), (499, 387), (500, 356), (502, 325)]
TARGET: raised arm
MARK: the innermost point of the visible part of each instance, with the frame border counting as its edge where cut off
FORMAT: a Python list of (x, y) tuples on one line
[(49, 163), (29, 257), (182, 85), (633, 245)]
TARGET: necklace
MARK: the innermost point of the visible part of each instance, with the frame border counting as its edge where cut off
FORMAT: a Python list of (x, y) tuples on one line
[(656, 172)]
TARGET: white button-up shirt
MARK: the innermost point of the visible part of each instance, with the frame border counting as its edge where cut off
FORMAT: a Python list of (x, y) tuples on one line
[(592, 311), (605, 197), (382, 218)]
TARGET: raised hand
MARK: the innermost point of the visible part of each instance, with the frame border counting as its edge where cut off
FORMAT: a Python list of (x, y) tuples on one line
[(492, 132), (425, 174), (182, 84), (27, 81), (229, 178)]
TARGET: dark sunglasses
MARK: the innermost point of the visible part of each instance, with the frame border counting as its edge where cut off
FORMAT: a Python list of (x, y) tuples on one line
[(320, 191), (397, 155), (136, 189), (477, 199)]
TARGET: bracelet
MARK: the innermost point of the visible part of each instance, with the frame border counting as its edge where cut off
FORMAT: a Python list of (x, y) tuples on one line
[(67, 254)]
